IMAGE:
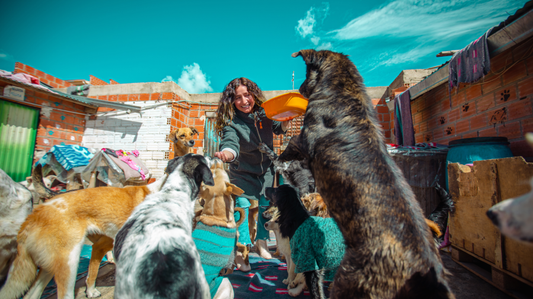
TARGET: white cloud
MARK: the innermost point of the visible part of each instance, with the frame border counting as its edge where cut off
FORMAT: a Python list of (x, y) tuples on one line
[(305, 26), (193, 80), (308, 27), (167, 79), (6, 56), (405, 31), (435, 19)]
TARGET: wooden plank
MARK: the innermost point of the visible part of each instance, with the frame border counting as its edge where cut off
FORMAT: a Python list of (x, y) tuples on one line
[(501, 279)]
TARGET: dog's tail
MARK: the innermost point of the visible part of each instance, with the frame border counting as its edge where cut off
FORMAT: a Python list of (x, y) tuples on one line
[(21, 275), (440, 214)]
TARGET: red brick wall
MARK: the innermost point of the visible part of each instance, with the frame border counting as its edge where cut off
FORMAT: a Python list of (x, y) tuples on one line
[(111, 81), (187, 115), (501, 104), (96, 81), (45, 78), (57, 127)]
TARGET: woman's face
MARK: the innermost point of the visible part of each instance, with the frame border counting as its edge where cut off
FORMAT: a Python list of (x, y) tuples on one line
[(244, 101)]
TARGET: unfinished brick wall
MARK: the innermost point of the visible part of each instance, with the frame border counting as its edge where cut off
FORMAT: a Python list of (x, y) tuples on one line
[(97, 81), (44, 77), (501, 104)]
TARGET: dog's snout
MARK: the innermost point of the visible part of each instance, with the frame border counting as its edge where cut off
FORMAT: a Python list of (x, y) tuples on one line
[(493, 217), (191, 142)]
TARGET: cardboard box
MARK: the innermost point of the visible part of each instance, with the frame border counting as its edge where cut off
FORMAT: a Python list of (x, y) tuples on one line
[(474, 190)]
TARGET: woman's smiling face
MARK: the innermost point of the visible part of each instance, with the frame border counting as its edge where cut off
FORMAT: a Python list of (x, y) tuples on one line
[(244, 101)]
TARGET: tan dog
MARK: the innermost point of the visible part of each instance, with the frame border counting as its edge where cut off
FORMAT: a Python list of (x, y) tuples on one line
[(218, 211), (52, 236), (183, 140)]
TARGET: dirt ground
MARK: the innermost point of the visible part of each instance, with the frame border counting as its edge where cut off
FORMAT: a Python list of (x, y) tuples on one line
[(463, 283)]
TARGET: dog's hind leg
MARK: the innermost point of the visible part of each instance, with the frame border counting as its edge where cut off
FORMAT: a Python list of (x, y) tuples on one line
[(101, 245), (65, 270), (313, 279), (38, 286)]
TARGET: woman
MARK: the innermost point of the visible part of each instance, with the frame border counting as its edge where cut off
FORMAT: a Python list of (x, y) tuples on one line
[(242, 124)]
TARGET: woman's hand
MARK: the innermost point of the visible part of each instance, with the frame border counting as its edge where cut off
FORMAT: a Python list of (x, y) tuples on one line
[(225, 156)]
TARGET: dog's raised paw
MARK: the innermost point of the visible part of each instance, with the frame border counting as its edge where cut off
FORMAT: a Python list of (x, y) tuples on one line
[(286, 281)]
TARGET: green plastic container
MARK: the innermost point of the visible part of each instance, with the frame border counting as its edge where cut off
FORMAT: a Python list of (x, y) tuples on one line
[(468, 150)]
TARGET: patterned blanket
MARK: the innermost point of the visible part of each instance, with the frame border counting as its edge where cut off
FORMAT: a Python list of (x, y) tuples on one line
[(69, 156), (265, 279)]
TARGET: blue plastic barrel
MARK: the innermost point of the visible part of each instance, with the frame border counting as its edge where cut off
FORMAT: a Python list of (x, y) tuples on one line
[(468, 150)]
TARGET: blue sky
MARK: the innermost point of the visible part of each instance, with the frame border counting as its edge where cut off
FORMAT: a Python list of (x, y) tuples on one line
[(202, 45)]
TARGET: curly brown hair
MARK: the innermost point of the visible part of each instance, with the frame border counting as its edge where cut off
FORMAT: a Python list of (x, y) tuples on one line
[(226, 108)]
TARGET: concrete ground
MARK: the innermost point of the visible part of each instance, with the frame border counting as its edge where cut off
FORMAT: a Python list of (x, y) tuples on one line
[(463, 283)]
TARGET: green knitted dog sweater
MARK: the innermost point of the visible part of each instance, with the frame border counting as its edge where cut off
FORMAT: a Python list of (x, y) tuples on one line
[(215, 245), (318, 244)]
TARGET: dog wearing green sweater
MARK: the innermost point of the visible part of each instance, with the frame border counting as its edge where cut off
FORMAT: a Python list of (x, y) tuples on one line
[(216, 230)]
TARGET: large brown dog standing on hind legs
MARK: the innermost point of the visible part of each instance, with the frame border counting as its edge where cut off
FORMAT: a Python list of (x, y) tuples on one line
[(390, 251)]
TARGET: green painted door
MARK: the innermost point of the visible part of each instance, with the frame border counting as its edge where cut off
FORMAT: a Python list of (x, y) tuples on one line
[(18, 130)]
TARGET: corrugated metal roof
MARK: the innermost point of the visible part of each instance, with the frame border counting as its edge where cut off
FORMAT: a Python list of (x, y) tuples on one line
[(88, 102)]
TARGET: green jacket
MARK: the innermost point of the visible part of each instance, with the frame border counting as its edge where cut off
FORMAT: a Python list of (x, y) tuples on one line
[(251, 170)]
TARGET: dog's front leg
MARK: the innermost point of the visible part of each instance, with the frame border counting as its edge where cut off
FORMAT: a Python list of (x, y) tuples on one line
[(290, 268), (101, 245), (293, 151)]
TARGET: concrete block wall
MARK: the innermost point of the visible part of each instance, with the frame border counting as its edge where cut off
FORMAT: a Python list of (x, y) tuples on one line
[(501, 104), (146, 132)]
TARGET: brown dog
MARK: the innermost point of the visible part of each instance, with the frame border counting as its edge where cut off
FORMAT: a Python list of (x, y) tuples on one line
[(389, 247), (182, 140), (52, 236)]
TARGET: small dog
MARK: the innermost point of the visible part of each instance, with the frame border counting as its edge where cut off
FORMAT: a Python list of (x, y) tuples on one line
[(295, 173), (15, 205), (514, 217), (52, 236), (216, 230), (183, 140), (363, 188), (154, 251), (313, 240)]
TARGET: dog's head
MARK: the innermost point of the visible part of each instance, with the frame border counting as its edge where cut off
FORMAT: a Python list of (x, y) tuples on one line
[(514, 217), (326, 68), (192, 166), (282, 195), (183, 137)]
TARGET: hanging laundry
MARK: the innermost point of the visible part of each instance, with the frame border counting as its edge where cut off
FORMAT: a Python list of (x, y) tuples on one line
[(403, 122), (471, 63)]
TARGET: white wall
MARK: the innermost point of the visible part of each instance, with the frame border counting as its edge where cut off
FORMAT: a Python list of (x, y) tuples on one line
[(146, 133)]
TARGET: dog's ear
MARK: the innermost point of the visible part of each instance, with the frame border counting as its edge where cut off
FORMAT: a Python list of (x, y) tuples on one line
[(172, 136), (172, 164), (232, 189), (307, 55), (194, 131), (202, 173)]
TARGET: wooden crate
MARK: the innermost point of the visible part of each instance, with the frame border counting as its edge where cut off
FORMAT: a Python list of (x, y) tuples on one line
[(476, 189)]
